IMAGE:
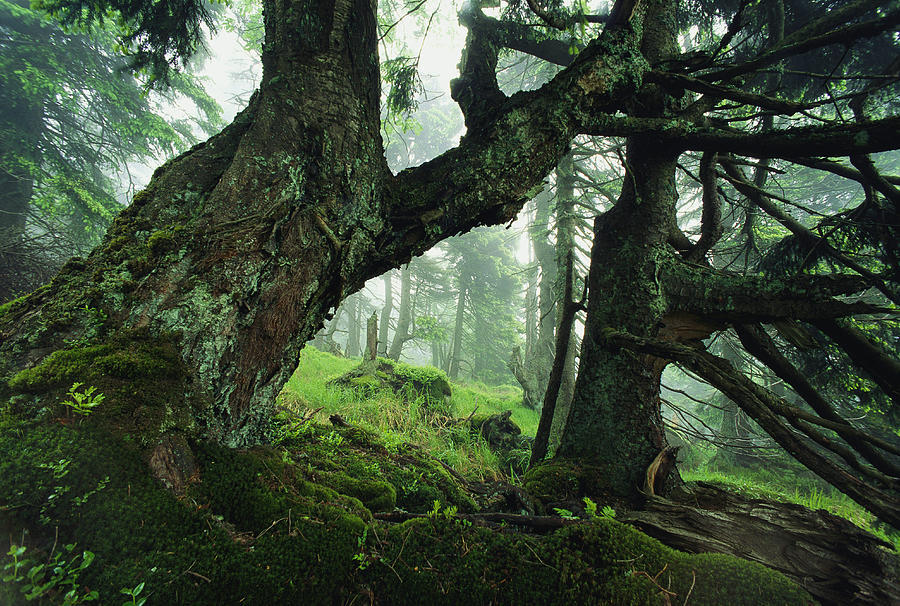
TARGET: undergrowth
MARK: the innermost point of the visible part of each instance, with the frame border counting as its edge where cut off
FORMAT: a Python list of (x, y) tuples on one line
[(404, 422)]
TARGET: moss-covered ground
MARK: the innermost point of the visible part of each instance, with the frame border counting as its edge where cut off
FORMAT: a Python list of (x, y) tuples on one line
[(294, 521)]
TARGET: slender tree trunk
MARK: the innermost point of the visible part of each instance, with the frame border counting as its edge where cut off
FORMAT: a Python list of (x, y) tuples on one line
[(401, 335), (354, 317), (386, 314), (543, 351), (565, 254), (456, 348)]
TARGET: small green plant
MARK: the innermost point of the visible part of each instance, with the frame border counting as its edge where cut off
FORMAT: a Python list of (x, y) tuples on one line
[(590, 508), (83, 402), (333, 440), (57, 580), (565, 514), (360, 557), (133, 593)]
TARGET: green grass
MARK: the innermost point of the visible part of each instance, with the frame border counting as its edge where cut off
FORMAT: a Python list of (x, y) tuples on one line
[(403, 422)]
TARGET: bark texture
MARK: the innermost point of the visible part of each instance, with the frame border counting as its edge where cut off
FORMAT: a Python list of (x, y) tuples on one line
[(828, 556)]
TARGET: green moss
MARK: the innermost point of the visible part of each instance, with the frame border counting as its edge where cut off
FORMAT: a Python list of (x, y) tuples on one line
[(253, 529), (141, 376), (404, 477), (561, 480), (160, 242), (375, 495), (411, 382), (11, 306)]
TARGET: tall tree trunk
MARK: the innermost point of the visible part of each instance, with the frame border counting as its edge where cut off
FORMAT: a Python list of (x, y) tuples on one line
[(354, 324), (565, 253), (543, 351), (401, 335), (459, 326), (386, 314), (615, 416)]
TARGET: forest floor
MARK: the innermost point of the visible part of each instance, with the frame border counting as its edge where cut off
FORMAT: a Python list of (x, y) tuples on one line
[(365, 496)]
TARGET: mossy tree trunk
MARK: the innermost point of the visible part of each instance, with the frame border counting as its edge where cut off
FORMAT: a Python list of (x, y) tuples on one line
[(238, 248)]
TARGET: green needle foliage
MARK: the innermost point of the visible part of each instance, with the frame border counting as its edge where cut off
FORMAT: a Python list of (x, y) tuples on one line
[(70, 116)]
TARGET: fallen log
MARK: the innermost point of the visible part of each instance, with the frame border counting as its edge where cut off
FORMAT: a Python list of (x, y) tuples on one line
[(837, 562)]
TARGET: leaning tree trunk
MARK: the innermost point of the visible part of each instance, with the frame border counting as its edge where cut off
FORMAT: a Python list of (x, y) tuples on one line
[(237, 249), (229, 245), (565, 254)]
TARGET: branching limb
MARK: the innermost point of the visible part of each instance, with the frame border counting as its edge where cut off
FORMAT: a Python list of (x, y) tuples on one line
[(798, 43), (760, 345), (761, 199), (839, 169), (718, 91), (884, 369), (716, 295), (761, 405), (476, 90), (711, 218)]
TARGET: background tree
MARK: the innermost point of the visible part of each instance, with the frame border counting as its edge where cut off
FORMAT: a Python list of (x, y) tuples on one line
[(71, 119)]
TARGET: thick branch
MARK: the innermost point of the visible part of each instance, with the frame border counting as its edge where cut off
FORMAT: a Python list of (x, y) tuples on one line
[(717, 295), (498, 167), (829, 140), (476, 90), (711, 218)]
